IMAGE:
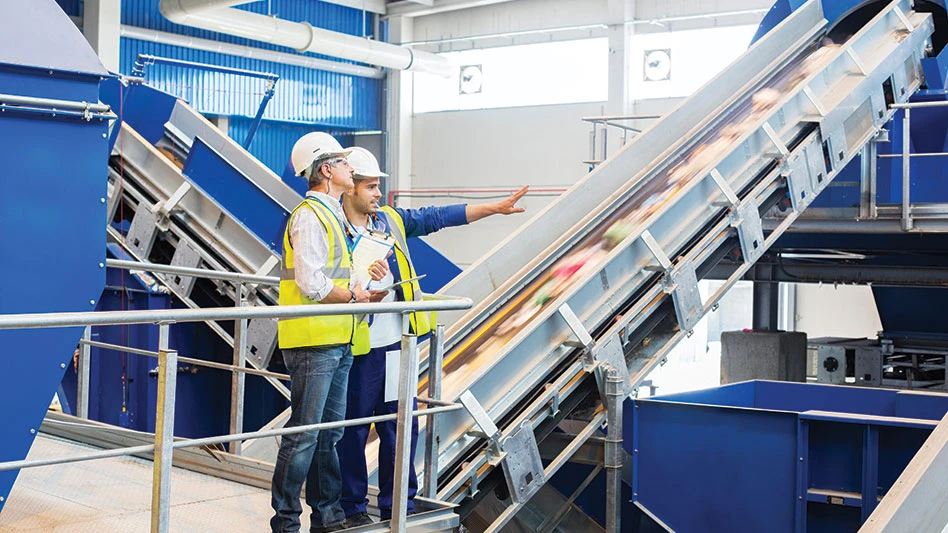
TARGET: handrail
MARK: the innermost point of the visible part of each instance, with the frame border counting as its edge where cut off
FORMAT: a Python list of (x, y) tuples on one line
[(164, 445), (193, 272), (191, 360), (168, 316)]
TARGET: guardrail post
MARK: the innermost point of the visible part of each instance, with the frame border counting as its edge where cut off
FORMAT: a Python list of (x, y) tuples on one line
[(432, 438), (407, 387), (82, 369), (238, 379), (164, 433), (906, 171), (613, 451)]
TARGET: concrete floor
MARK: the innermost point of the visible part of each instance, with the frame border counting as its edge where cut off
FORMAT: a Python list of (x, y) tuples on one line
[(115, 495)]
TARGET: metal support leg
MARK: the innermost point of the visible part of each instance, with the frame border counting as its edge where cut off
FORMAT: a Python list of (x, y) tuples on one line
[(238, 379), (613, 451), (164, 434), (766, 300), (83, 366), (906, 172), (867, 182), (407, 386), (432, 438)]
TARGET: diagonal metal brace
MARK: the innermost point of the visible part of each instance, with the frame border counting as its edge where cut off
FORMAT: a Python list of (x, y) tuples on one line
[(162, 210), (486, 425), (583, 339)]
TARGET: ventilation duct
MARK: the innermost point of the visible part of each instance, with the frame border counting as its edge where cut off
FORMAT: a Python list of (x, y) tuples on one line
[(218, 16)]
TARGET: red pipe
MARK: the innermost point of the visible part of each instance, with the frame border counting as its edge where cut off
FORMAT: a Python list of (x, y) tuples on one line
[(408, 192)]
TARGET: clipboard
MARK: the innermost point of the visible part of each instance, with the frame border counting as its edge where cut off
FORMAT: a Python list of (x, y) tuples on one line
[(391, 286), (368, 248)]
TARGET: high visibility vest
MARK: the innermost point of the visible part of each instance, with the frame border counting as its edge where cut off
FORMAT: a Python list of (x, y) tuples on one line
[(317, 330), (420, 321)]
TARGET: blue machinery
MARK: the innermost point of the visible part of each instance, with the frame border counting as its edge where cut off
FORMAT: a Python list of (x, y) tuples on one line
[(778, 130), (52, 207)]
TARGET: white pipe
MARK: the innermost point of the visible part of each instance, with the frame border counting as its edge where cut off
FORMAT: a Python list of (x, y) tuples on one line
[(207, 45), (217, 15)]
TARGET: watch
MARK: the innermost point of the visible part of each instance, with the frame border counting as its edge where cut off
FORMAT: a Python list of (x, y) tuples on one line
[(352, 300)]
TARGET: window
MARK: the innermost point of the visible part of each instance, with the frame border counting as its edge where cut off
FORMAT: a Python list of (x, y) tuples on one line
[(514, 76), (675, 64)]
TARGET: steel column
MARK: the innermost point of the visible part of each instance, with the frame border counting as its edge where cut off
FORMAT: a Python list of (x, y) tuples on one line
[(766, 296), (867, 181), (432, 439), (407, 385), (238, 379), (82, 369), (613, 451), (906, 172), (164, 434)]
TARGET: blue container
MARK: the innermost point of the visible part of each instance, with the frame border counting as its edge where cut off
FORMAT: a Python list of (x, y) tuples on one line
[(774, 456)]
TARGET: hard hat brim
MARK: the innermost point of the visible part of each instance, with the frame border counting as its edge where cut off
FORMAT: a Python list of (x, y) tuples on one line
[(358, 176)]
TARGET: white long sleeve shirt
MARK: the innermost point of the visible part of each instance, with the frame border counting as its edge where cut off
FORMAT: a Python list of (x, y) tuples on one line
[(311, 247)]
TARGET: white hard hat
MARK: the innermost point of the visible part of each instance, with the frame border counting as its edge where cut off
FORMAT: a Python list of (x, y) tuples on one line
[(364, 163), (312, 147)]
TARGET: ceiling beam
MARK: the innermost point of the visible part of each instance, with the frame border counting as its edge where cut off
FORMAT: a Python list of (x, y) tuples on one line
[(411, 8), (372, 6)]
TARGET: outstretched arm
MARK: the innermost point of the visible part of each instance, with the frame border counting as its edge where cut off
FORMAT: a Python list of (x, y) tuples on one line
[(507, 206)]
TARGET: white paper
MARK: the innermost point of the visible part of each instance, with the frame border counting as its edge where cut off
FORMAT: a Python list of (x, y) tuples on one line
[(392, 359), (368, 249)]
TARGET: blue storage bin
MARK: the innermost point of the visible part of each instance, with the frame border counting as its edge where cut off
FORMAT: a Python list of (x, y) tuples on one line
[(774, 456)]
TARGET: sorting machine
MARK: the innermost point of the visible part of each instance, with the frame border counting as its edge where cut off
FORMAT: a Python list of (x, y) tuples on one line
[(575, 308)]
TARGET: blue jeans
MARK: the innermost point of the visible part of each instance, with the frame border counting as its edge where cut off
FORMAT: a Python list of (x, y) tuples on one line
[(366, 398), (319, 376)]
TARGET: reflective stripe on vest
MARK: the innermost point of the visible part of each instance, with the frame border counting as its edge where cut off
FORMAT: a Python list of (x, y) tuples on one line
[(318, 330)]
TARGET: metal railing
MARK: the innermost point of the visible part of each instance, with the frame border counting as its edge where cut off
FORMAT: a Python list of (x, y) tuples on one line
[(599, 136), (164, 444), (908, 222)]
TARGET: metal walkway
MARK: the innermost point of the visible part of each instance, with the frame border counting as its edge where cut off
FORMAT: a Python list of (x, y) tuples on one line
[(115, 495)]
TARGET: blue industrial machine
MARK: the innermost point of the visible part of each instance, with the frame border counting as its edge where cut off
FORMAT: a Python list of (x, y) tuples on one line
[(882, 223), (55, 148)]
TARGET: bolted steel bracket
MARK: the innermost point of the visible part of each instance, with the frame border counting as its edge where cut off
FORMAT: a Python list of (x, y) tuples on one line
[(682, 283), (185, 255), (142, 232), (523, 467)]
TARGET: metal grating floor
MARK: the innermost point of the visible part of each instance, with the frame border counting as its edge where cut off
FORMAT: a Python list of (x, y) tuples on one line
[(115, 495)]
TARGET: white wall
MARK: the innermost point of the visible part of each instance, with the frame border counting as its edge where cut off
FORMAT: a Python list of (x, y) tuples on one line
[(841, 311), (541, 146)]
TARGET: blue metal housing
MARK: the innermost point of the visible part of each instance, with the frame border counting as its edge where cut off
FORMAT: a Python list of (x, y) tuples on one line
[(52, 209), (773, 456), (929, 126)]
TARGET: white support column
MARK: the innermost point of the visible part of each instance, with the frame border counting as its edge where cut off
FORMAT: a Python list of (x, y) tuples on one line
[(621, 64), (222, 122), (399, 110), (101, 24)]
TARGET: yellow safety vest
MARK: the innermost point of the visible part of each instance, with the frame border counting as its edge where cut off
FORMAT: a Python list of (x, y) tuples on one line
[(420, 321), (317, 330)]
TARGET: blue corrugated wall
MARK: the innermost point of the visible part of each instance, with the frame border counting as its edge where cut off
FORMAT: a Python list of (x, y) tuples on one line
[(274, 139), (306, 99)]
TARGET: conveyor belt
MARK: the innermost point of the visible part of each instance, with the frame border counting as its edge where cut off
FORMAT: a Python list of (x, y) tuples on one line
[(777, 125)]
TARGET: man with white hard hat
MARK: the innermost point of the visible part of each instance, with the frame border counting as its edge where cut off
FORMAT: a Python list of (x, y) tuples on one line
[(317, 248), (367, 376)]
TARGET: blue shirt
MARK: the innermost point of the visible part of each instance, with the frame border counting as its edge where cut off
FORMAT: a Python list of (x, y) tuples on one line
[(420, 222)]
